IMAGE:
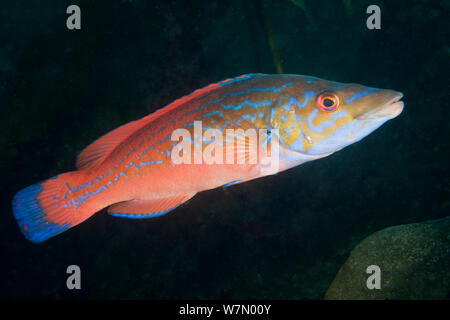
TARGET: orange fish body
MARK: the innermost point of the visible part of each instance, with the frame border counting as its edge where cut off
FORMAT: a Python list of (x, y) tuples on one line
[(132, 169)]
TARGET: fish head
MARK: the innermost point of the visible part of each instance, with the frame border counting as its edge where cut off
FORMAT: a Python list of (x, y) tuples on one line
[(319, 117)]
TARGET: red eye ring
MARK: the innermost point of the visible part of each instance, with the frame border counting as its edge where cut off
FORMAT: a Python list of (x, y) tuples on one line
[(328, 102)]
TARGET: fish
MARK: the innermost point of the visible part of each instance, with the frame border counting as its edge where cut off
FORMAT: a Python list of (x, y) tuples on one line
[(135, 170)]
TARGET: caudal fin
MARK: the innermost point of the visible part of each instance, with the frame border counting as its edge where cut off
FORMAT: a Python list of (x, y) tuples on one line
[(43, 210)]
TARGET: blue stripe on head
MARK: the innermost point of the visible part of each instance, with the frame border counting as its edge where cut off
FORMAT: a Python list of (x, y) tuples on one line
[(360, 94), (30, 217)]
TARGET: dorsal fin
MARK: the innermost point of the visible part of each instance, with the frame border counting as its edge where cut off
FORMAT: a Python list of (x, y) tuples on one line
[(98, 151)]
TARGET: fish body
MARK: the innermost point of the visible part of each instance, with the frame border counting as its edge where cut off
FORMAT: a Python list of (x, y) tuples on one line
[(132, 169)]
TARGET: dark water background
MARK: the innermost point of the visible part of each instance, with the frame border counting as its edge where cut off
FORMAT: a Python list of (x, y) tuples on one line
[(280, 237)]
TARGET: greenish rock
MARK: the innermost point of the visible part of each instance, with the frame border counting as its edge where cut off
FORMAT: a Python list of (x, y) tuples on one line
[(414, 260)]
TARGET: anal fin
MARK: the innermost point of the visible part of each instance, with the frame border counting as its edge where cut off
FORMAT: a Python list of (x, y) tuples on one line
[(141, 209)]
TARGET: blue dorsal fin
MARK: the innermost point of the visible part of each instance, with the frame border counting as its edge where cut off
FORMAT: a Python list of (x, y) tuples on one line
[(141, 209)]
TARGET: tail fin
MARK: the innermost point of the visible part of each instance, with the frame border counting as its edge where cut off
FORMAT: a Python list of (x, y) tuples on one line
[(43, 210)]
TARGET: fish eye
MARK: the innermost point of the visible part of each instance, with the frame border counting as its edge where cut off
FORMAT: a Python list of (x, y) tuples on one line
[(328, 102)]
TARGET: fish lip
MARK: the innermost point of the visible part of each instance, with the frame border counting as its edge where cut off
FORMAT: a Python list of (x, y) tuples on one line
[(390, 109)]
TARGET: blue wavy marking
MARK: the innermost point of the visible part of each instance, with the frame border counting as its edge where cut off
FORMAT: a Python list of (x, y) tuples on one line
[(273, 89), (360, 94), (132, 164), (79, 187), (248, 116), (320, 128), (146, 163), (78, 201), (90, 194), (293, 101), (164, 139), (255, 105), (218, 112)]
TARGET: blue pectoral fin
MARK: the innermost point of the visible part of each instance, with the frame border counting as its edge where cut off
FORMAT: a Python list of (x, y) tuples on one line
[(142, 209)]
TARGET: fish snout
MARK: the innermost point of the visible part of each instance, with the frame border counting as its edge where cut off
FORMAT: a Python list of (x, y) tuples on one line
[(385, 104)]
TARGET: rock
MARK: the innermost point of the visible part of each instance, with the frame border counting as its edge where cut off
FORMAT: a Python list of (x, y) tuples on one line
[(414, 260)]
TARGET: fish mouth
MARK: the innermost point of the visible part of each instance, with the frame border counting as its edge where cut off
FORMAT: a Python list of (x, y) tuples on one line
[(389, 110)]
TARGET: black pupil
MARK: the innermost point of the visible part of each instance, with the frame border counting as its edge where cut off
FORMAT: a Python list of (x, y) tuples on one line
[(328, 102)]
